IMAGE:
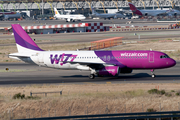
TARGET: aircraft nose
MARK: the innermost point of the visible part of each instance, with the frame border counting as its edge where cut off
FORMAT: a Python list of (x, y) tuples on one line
[(171, 63)]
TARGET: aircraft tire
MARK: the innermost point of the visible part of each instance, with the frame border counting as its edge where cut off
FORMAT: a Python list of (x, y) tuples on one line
[(153, 75), (91, 76)]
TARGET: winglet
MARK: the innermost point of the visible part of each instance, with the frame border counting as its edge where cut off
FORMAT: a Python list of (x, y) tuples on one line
[(24, 42)]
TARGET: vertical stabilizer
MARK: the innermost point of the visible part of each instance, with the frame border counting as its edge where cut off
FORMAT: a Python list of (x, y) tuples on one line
[(134, 9), (24, 42), (93, 11), (56, 12)]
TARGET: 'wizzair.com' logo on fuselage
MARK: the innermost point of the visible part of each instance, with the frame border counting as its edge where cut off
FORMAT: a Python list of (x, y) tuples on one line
[(63, 58), (134, 54)]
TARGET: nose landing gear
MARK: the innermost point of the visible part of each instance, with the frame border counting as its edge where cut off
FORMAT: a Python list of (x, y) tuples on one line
[(152, 73)]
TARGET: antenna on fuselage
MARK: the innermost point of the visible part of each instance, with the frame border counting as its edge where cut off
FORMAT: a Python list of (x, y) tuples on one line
[(150, 49)]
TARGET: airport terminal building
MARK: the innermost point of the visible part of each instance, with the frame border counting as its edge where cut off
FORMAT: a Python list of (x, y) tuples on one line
[(45, 6)]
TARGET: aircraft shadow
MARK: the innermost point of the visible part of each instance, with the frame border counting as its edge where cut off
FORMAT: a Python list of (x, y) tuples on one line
[(140, 77)]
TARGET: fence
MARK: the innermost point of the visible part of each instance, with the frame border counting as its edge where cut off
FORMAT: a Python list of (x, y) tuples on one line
[(144, 28), (101, 44), (118, 116), (45, 93)]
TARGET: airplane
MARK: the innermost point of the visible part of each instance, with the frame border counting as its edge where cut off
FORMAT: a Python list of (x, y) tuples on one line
[(68, 18), (173, 12), (106, 15), (8, 14), (100, 63), (169, 12)]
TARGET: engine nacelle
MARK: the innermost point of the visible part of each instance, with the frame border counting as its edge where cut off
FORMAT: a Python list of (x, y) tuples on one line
[(126, 70), (68, 20), (146, 14), (108, 70), (81, 67)]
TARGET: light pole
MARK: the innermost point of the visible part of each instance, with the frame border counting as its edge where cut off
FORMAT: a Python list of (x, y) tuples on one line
[(42, 8)]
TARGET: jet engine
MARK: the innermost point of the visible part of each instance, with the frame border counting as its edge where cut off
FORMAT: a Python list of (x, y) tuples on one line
[(146, 14), (108, 70), (68, 20)]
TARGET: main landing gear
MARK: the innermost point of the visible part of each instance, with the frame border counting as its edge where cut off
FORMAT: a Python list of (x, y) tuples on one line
[(91, 76), (152, 73)]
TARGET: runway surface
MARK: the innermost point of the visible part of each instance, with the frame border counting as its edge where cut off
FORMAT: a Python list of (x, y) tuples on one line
[(26, 74)]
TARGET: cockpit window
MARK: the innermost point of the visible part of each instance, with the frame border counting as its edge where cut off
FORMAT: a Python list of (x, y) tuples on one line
[(164, 56)]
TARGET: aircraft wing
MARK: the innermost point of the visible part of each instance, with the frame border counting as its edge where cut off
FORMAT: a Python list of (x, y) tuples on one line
[(93, 65)]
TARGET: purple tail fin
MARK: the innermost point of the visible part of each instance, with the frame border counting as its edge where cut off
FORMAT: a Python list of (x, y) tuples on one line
[(23, 40)]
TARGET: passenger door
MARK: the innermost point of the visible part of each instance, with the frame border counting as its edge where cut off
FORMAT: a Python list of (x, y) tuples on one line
[(151, 57)]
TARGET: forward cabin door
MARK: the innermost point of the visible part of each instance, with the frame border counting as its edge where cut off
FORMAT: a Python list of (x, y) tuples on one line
[(151, 57)]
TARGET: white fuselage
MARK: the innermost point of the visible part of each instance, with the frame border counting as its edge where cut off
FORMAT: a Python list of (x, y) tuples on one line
[(159, 12), (152, 12), (70, 17), (62, 59), (108, 15)]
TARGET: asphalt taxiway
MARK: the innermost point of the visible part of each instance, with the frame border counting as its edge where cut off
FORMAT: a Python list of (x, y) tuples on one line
[(138, 22), (27, 74)]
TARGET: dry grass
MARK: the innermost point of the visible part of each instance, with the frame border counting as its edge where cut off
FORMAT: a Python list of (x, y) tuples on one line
[(76, 99)]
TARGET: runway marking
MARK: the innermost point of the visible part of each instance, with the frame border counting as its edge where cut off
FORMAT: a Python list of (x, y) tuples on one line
[(108, 82)]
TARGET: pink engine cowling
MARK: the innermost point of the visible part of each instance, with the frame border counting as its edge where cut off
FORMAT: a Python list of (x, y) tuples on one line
[(109, 70)]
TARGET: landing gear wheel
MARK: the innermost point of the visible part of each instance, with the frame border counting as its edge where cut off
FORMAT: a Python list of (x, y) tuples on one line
[(153, 75), (91, 76)]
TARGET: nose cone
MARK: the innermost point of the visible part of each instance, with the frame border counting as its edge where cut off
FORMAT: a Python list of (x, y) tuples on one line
[(171, 63), (83, 17)]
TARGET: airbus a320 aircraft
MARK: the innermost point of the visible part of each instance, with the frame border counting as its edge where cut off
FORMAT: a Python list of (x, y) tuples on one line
[(169, 12), (106, 15), (100, 63), (69, 18)]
